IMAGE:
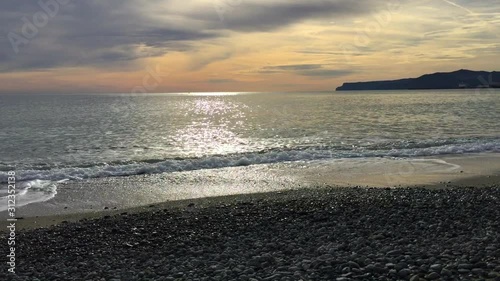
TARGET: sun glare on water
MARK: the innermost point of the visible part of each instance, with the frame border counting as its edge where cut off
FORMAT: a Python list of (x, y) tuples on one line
[(215, 94)]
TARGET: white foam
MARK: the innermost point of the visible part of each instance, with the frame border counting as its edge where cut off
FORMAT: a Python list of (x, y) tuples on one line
[(245, 159), (29, 192)]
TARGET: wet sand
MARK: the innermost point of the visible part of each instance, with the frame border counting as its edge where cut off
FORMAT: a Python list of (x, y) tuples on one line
[(180, 205), (94, 195)]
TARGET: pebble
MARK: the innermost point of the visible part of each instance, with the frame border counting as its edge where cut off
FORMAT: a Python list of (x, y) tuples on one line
[(436, 267), (415, 278), (353, 264), (400, 266), (446, 272), (396, 252), (403, 273), (432, 276), (465, 266), (477, 271)]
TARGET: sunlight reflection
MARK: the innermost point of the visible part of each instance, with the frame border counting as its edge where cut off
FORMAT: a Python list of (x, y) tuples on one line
[(213, 129), (212, 94)]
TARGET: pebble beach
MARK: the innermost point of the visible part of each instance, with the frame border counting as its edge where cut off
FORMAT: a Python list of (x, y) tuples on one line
[(307, 234)]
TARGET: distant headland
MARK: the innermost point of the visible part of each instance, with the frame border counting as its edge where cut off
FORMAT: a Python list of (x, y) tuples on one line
[(441, 80)]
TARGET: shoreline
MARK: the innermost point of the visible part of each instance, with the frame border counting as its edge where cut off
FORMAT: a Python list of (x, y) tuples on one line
[(260, 181), (30, 223)]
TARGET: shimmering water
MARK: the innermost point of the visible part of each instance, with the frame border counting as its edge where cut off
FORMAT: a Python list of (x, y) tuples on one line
[(51, 138), (56, 137)]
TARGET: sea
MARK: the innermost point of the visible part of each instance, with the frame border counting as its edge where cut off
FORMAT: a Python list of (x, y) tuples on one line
[(49, 140)]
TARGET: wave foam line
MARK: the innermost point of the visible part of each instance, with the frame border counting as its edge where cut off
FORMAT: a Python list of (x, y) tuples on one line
[(214, 162), (30, 192)]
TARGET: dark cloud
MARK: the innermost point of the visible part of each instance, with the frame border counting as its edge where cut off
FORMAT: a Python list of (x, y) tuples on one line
[(84, 33), (114, 33), (269, 15)]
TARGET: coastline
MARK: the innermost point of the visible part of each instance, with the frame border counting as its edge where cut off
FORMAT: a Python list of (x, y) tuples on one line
[(30, 223), (476, 170)]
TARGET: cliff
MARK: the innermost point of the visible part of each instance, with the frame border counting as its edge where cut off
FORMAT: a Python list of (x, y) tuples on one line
[(442, 80)]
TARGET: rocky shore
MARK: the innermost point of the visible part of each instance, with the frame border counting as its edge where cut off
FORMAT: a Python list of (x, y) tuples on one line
[(319, 234)]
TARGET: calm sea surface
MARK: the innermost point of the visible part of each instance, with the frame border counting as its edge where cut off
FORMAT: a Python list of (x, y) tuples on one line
[(58, 137)]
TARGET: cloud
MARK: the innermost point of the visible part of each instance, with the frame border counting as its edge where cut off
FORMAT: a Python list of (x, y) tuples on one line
[(115, 33), (205, 57), (217, 81), (267, 15), (327, 73), (312, 70), (83, 33), (293, 67), (308, 42)]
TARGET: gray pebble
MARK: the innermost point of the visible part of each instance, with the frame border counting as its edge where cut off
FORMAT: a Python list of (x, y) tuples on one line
[(403, 273), (432, 276)]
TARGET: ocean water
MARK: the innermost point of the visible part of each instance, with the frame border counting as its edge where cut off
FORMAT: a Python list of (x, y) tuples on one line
[(48, 139)]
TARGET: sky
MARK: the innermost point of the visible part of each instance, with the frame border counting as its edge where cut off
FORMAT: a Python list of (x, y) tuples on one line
[(138, 46)]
